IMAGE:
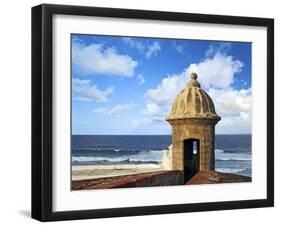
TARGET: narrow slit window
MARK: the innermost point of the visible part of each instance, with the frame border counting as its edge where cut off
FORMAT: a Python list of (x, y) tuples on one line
[(195, 150)]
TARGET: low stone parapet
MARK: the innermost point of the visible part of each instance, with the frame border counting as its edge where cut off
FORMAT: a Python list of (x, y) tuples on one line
[(161, 178)]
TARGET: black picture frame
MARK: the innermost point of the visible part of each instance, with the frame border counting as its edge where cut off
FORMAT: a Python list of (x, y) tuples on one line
[(42, 197)]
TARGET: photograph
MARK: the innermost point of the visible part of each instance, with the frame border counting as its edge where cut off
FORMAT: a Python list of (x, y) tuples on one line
[(156, 111), (141, 112)]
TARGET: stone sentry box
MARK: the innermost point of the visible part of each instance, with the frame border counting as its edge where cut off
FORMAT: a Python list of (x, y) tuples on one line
[(193, 119)]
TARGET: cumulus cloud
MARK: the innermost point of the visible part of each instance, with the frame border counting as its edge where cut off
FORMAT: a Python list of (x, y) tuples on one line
[(140, 79), (235, 108), (230, 102), (97, 59), (83, 90), (167, 89), (113, 111), (217, 72), (159, 100), (216, 75), (235, 125)]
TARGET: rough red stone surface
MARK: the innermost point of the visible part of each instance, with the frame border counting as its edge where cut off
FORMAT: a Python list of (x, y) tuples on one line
[(214, 177), (161, 178)]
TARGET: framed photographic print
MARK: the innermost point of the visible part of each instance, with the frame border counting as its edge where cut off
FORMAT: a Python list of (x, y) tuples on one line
[(145, 112)]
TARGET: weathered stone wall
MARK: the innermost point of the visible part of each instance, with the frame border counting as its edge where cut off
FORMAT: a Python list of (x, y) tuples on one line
[(167, 178), (161, 178), (193, 116), (204, 131)]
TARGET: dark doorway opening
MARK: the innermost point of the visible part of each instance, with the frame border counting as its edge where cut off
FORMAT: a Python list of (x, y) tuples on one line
[(191, 158)]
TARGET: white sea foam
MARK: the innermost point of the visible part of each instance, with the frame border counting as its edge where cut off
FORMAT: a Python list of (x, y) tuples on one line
[(143, 156), (221, 155), (228, 170), (156, 155), (219, 151), (97, 159)]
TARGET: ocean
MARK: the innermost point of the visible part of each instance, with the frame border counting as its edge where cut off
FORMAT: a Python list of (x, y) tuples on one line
[(232, 152)]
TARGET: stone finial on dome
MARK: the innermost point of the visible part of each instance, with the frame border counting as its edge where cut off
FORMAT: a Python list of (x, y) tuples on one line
[(193, 81), (193, 75)]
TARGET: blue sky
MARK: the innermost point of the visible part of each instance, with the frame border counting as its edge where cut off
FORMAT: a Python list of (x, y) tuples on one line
[(126, 85)]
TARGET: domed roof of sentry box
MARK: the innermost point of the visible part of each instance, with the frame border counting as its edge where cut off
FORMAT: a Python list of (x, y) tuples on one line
[(193, 102)]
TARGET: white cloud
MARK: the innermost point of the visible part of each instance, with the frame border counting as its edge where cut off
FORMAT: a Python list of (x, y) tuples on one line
[(235, 125), (216, 75), (230, 102), (148, 50), (113, 111), (140, 79), (167, 89), (217, 72), (97, 59), (179, 47), (145, 121), (83, 90), (160, 99), (153, 49), (234, 107), (134, 44), (222, 48)]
